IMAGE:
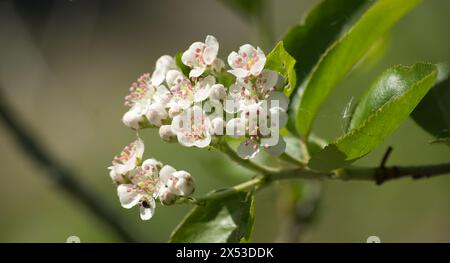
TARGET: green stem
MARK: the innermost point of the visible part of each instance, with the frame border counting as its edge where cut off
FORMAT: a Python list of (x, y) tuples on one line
[(226, 149), (377, 174)]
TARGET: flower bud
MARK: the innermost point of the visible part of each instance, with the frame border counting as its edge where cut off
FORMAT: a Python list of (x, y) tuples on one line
[(217, 125), (218, 92), (133, 118), (181, 183), (166, 196), (166, 133), (155, 114)]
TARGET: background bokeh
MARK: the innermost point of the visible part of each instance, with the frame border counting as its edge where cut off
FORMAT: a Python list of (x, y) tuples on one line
[(66, 66)]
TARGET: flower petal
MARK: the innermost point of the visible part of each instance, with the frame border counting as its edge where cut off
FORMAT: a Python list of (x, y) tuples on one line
[(165, 173), (211, 50), (133, 117), (259, 65), (158, 77), (202, 88), (202, 143), (171, 76), (246, 50), (148, 212), (128, 196), (239, 72), (196, 72), (233, 59)]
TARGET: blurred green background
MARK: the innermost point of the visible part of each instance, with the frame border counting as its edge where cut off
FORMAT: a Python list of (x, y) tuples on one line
[(66, 66)]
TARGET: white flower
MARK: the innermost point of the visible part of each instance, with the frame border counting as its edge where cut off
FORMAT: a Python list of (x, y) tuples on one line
[(181, 88), (142, 191), (166, 133), (145, 100), (155, 114), (163, 65), (134, 118), (200, 55), (166, 196), (255, 120), (128, 159), (257, 102), (248, 61), (179, 183), (218, 92), (217, 126), (192, 127)]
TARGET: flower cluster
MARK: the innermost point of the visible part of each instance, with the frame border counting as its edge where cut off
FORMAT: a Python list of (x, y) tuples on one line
[(142, 182), (175, 100)]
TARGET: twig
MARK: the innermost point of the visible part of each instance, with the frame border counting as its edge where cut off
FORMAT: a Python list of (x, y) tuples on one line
[(348, 174), (58, 173), (386, 156)]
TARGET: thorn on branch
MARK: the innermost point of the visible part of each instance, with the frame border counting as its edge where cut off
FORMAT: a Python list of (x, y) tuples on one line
[(383, 173)]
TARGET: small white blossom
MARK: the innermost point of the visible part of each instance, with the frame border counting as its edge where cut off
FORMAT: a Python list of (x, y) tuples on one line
[(166, 133), (248, 61), (155, 114), (128, 159), (166, 196), (200, 55), (135, 117), (218, 92), (179, 183), (256, 101), (217, 126), (142, 191), (145, 100), (192, 127), (181, 88)]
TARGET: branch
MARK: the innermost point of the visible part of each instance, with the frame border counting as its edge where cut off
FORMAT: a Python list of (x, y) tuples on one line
[(379, 175), (55, 171)]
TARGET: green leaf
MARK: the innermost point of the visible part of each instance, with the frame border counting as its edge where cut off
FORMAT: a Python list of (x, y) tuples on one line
[(381, 110), (185, 69), (279, 60), (229, 219), (339, 59), (433, 112), (322, 26), (247, 8), (307, 41), (225, 78)]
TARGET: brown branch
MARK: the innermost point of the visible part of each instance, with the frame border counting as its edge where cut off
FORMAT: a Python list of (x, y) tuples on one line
[(414, 172), (56, 172)]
